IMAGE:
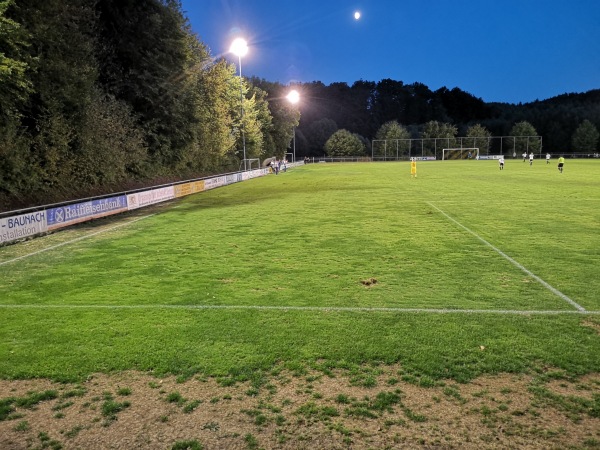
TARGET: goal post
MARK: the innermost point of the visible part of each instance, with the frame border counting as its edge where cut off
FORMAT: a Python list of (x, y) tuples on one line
[(460, 153)]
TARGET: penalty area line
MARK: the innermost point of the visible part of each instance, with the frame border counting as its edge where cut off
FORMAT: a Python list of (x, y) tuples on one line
[(72, 241), (512, 261), (314, 308)]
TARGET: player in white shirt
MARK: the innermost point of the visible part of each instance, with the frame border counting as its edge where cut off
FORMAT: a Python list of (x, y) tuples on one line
[(531, 159), (501, 162), (547, 158)]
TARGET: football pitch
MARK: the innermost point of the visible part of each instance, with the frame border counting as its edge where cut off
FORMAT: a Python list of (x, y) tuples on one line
[(461, 271)]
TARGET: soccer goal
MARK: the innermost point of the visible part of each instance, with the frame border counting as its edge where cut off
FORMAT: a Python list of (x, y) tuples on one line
[(460, 153), (247, 164)]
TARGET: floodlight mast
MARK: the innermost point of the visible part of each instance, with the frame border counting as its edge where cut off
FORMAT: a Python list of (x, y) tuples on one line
[(239, 47), (293, 97)]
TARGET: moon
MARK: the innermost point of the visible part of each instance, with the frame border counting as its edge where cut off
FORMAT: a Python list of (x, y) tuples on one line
[(356, 15)]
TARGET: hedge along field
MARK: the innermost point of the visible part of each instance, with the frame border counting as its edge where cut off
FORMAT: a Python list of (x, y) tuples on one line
[(327, 265)]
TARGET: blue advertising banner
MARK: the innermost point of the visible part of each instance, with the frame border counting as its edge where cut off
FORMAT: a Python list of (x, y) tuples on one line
[(80, 212)]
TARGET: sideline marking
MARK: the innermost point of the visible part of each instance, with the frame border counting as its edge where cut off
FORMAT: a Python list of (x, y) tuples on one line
[(314, 308), (74, 240), (512, 261)]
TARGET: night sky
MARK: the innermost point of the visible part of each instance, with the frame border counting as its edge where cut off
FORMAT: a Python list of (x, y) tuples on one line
[(499, 50)]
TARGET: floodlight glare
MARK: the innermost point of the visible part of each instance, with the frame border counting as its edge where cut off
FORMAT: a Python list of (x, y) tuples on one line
[(293, 97), (239, 47)]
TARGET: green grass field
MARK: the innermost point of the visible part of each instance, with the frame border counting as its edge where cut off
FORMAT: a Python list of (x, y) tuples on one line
[(462, 271)]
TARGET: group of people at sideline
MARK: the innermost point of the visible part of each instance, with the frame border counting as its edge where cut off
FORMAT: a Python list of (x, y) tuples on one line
[(277, 165)]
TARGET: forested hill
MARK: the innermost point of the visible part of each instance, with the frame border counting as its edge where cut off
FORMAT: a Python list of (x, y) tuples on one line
[(586, 98), (99, 96), (365, 106), (556, 118)]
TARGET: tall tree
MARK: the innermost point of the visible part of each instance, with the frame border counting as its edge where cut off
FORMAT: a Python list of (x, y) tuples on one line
[(344, 143), (393, 140), (282, 119), (15, 62), (257, 123), (390, 101), (145, 59), (422, 105), (585, 138), (435, 129), (439, 135), (479, 138), (361, 99), (461, 106), (64, 71), (392, 130), (112, 148), (318, 133), (218, 106), (525, 140)]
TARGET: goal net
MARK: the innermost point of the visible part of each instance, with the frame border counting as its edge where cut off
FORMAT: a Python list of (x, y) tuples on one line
[(460, 153)]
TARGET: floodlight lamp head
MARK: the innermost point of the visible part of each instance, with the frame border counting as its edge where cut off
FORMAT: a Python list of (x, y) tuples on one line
[(293, 97), (239, 47)]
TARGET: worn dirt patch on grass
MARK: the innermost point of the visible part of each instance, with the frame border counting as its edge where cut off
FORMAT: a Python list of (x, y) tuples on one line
[(311, 410), (591, 324)]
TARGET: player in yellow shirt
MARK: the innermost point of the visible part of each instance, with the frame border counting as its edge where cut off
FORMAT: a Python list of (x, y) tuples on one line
[(561, 163), (413, 167)]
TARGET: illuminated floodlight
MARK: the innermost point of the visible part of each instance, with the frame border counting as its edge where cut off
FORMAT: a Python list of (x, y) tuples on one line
[(239, 47), (293, 97)]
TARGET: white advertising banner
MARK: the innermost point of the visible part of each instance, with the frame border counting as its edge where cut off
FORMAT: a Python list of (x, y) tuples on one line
[(424, 158), (212, 183), (255, 173), (233, 178), (24, 225), (490, 156), (145, 198)]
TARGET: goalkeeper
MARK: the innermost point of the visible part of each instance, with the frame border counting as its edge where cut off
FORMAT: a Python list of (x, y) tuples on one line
[(413, 167)]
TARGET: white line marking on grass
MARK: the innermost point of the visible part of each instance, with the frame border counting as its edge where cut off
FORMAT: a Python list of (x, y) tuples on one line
[(74, 240), (314, 308), (512, 261)]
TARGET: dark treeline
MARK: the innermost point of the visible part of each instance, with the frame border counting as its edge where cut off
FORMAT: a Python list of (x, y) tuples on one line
[(98, 96), (365, 107)]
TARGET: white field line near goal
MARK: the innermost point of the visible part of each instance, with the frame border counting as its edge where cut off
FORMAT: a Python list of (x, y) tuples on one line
[(74, 240), (312, 308), (512, 261)]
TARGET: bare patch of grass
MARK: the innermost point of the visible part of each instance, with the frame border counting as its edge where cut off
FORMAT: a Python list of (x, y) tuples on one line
[(510, 411)]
